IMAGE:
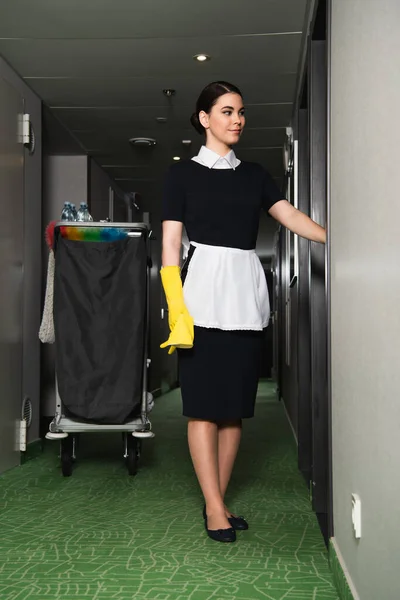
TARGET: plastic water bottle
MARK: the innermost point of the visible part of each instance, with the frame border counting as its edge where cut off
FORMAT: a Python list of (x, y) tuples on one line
[(83, 213), (73, 209), (67, 214)]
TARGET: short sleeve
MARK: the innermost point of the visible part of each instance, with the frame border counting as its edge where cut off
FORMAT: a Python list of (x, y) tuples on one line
[(173, 202), (270, 192)]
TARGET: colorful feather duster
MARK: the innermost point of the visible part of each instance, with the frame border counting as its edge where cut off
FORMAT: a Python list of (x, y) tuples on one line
[(92, 234)]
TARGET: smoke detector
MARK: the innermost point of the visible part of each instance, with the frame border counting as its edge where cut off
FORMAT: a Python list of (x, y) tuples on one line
[(142, 141)]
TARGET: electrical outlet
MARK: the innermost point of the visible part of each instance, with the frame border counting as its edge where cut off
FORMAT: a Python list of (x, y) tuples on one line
[(356, 514)]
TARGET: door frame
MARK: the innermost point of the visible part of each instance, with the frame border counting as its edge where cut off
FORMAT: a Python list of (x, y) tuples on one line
[(312, 117), (328, 262), (13, 264), (318, 317)]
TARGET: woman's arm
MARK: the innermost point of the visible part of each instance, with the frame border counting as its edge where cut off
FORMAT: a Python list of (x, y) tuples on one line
[(171, 243), (298, 222)]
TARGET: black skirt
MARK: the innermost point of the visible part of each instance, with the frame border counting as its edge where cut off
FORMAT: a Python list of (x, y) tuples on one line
[(219, 375)]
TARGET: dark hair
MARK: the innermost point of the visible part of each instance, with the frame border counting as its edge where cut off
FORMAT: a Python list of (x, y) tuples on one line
[(208, 98)]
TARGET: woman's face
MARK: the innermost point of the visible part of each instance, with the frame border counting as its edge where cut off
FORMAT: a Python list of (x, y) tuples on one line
[(226, 120)]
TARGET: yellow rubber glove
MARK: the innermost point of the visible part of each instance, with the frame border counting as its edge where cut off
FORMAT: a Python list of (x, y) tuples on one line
[(182, 334), (180, 322)]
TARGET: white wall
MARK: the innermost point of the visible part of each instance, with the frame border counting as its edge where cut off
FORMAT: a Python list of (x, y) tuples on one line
[(365, 280), (65, 179), (99, 191)]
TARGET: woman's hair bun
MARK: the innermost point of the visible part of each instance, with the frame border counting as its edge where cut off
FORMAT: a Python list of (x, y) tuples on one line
[(194, 119), (208, 99)]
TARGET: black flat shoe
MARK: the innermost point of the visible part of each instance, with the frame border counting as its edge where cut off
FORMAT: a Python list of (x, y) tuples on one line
[(221, 535), (238, 523)]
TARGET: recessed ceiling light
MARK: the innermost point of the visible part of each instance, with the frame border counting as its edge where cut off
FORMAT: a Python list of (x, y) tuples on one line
[(142, 141), (202, 57), (177, 158)]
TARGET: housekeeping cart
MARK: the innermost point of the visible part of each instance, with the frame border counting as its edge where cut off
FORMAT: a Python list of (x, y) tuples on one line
[(101, 324)]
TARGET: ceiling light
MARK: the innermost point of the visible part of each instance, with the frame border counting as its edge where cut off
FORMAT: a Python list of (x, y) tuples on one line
[(142, 141), (202, 57), (177, 158), (161, 119)]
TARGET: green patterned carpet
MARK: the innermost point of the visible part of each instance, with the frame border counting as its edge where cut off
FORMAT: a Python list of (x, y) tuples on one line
[(101, 534)]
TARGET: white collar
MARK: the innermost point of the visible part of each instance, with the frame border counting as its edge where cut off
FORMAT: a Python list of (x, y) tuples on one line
[(212, 160)]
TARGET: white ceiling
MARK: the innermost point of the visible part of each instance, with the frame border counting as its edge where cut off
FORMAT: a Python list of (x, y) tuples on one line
[(101, 66)]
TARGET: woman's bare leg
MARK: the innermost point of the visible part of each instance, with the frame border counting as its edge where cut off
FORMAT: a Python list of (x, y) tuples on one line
[(229, 434), (203, 446)]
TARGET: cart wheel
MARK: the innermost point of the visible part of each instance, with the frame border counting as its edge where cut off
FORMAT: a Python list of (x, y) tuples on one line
[(66, 464), (132, 461), (67, 456), (132, 458), (138, 448)]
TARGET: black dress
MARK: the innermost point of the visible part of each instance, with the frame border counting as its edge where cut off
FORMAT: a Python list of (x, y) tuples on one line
[(219, 207)]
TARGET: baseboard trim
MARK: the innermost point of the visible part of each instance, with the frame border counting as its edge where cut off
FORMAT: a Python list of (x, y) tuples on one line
[(33, 450), (341, 576)]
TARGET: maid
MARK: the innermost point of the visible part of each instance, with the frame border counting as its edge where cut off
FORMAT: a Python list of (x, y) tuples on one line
[(218, 316)]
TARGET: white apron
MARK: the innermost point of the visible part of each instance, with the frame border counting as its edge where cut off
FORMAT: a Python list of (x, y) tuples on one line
[(225, 288)]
